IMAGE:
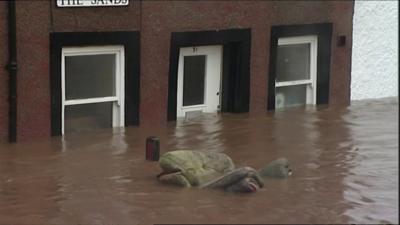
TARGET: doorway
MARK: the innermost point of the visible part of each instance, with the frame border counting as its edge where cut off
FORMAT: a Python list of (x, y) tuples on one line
[(93, 87), (199, 80)]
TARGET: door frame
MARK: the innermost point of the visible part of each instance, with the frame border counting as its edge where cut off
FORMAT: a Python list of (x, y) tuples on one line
[(211, 53), (235, 92), (119, 98), (130, 40)]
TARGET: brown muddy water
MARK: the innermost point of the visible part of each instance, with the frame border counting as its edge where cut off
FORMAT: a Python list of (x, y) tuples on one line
[(345, 164)]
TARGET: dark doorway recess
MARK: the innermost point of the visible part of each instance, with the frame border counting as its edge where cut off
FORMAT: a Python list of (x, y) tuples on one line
[(130, 41), (324, 33), (235, 69), (12, 68)]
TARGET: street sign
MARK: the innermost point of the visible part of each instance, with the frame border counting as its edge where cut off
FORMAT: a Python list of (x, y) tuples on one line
[(91, 3)]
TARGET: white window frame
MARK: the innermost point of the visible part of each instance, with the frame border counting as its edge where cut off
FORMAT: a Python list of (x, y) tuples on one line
[(311, 95), (118, 118)]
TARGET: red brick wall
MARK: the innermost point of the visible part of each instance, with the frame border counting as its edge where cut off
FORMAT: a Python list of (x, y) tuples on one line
[(3, 73), (33, 104), (156, 20), (341, 56), (160, 18), (96, 19)]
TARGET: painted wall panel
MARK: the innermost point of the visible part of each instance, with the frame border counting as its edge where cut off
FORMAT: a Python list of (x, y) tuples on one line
[(375, 50)]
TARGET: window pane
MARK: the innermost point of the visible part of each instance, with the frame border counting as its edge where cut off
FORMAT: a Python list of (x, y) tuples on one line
[(89, 76), (290, 96), (293, 62), (193, 80), (88, 116)]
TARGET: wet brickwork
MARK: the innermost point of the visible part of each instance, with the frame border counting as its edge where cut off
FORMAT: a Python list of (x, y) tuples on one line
[(156, 20)]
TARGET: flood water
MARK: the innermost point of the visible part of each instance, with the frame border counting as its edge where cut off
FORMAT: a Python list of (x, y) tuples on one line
[(345, 170)]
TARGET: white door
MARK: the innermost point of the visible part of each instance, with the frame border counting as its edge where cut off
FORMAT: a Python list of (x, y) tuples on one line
[(199, 79), (296, 71), (92, 84)]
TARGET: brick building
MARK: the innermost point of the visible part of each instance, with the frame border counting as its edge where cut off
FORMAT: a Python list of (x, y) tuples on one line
[(149, 62)]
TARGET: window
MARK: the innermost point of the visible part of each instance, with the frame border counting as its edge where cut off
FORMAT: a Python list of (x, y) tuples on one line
[(92, 88), (296, 71), (194, 80)]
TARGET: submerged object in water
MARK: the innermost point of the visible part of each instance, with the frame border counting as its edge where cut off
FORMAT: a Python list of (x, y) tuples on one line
[(188, 168), (278, 169)]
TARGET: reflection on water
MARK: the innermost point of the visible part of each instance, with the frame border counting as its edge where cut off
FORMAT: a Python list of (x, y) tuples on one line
[(345, 164)]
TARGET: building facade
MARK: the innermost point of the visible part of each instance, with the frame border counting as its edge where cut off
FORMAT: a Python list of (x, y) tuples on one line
[(151, 62)]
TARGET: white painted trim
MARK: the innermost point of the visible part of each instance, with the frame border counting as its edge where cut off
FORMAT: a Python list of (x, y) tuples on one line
[(297, 40), (313, 69), (94, 50), (118, 119), (194, 106), (291, 83), (90, 100), (311, 98), (119, 105), (62, 91)]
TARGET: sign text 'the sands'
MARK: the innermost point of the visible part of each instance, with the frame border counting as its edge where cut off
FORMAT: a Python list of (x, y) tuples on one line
[(91, 3)]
